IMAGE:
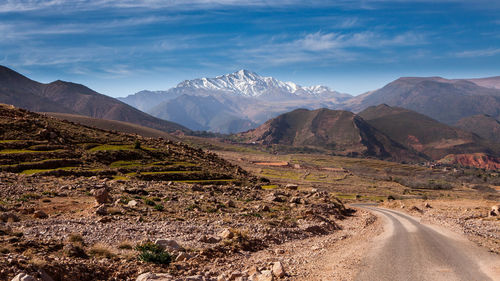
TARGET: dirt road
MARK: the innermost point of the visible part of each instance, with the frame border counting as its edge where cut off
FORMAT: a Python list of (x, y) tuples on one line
[(409, 250)]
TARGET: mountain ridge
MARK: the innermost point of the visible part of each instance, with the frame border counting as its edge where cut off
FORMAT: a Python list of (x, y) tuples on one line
[(68, 97)]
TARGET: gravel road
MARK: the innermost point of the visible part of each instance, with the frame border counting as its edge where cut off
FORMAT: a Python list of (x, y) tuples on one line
[(409, 250)]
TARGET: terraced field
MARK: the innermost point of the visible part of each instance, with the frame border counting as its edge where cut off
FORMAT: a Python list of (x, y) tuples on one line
[(37, 145)]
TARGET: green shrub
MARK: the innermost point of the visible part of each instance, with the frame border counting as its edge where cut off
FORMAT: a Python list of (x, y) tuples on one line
[(137, 144), (150, 252), (159, 207), (149, 202)]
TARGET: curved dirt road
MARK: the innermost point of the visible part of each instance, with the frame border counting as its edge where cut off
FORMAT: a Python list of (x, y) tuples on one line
[(409, 250)]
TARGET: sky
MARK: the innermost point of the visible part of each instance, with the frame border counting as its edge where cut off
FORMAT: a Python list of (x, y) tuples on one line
[(119, 47)]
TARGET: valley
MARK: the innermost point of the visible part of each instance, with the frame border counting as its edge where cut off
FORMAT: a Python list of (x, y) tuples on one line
[(86, 202)]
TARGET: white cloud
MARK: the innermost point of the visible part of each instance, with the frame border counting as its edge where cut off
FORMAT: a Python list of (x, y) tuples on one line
[(478, 53)]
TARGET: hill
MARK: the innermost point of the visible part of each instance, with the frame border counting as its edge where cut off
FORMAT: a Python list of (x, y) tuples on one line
[(444, 100), (341, 132), (482, 125), (425, 134), (66, 97), (33, 143), (113, 125)]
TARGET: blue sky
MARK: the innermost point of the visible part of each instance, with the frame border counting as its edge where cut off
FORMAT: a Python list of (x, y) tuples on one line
[(119, 47)]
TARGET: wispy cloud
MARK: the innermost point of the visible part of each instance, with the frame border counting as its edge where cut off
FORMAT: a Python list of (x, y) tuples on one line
[(478, 53), (325, 48)]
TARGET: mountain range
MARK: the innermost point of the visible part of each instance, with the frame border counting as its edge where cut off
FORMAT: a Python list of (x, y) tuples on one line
[(453, 119), (67, 97), (382, 131), (337, 131), (233, 102), (243, 100), (445, 100)]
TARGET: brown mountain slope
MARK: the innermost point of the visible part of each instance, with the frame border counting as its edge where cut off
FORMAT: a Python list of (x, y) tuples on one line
[(444, 100), (66, 97), (424, 134), (113, 125), (32, 143), (482, 125), (491, 82), (340, 132)]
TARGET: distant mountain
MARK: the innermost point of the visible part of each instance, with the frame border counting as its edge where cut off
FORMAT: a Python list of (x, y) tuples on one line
[(341, 132), (444, 100), (482, 125), (425, 134), (233, 102), (491, 82), (66, 97)]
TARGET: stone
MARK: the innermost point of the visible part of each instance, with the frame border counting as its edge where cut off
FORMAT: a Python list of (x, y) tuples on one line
[(291, 186), (182, 257), (102, 196), (226, 234), (168, 245), (265, 275), (102, 210), (8, 216), (278, 270), (132, 203), (40, 214), (230, 203), (427, 205), (209, 239), (23, 277), (194, 278), (495, 211), (149, 276)]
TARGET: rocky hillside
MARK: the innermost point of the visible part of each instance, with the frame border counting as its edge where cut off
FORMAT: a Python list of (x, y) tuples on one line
[(66, 97), (34, 144), (340, 132), (444, 100), (425, 134), (482, 125), (79, 203)]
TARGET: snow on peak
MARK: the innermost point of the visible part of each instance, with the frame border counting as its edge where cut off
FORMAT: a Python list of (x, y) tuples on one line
[(247, 83)]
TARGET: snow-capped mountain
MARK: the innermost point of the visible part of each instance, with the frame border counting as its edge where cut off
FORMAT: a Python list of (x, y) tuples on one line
[(250, 84), (232, 102)]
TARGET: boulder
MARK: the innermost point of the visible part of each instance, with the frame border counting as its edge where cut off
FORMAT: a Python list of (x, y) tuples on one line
[(278, 270), (132, 203), (23, 277), (102, 196), (291, 186), (168, 245), (182, 257), (495, 211), (226, 234), (427, 205), (149, 276), (265, 275), (40, 214)]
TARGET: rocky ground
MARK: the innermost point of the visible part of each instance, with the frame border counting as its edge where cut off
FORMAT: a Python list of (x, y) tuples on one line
[(90, 229), (465, 216)]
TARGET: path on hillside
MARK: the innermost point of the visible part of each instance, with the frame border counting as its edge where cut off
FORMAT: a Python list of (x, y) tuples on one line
[(409, 250)]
